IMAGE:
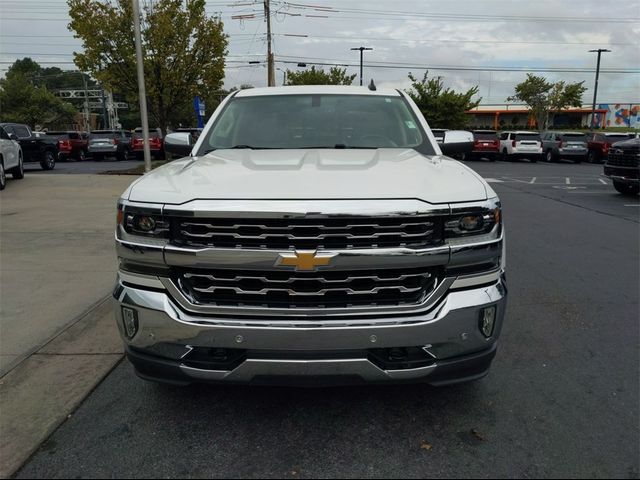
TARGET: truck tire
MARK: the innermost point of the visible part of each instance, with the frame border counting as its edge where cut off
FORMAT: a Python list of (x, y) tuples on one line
[(592, 157), (625, 188), (18, 172), (81, 156), (3, 177), (49, 162), (505, 155)]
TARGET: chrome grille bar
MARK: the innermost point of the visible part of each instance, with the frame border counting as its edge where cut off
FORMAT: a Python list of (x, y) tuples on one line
[(417, 231)]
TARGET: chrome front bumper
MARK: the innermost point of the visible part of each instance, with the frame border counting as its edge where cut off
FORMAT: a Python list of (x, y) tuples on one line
[(449, 332)]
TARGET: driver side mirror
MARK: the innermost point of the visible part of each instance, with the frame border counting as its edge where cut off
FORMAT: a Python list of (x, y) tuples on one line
[(13, 136), (179, 144), (457, 141)]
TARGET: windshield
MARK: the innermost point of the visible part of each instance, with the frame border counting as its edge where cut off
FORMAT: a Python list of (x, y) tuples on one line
[(102, 135), (573, 137), (316, 121), (527, 136), (485, 135)]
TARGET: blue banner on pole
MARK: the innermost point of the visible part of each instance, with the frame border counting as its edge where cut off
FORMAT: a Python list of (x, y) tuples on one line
[(199, 107)]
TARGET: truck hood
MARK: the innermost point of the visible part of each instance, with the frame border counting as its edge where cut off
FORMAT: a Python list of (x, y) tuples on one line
[(311, 174)]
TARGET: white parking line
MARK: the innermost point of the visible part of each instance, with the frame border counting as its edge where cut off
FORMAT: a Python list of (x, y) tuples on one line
[(633, 205), (533, 180), (494, 180), (602, 181), (567, 181)]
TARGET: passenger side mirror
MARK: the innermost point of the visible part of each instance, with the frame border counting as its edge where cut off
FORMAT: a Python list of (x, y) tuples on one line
[(13, 136), (179, 144), (456, 141)]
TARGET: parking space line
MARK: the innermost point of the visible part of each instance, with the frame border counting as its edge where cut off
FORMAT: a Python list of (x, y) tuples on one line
[(567, 181), (602, 181), (533, 180), (633, 205), (494, 180)]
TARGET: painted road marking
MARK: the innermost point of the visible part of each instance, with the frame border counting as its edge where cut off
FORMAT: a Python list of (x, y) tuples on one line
[(633, 205), (494, 180), (533, 180), (602, 181), (567, 181)]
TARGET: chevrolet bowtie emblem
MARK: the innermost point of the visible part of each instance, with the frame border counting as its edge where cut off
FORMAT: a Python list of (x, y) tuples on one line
[(305, 260)]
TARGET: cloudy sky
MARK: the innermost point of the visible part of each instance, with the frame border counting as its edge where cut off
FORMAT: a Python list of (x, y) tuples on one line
[(468, 42)]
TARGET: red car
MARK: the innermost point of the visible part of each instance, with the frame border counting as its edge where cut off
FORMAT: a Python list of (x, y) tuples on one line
[(486, 144), (600, 143), (71, 144), (156, 144)]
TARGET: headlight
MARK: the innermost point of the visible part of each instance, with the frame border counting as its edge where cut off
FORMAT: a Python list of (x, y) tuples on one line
[(473, 219), (139, 221)]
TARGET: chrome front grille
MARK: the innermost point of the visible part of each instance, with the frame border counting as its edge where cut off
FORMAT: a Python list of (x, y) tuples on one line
[(309, 233), (304, 290)]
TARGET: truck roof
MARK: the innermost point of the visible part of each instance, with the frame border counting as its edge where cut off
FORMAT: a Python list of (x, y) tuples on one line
[(316, 89)]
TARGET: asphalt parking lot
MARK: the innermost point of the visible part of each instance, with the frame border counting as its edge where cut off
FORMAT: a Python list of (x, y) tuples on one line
[(562, 399)]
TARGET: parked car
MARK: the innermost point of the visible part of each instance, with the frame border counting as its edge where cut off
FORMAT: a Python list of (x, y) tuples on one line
[(71, 144), (569, 145), (109, 143), (623, 166), (520, 144), (486, 144), (36, 146), (599, 144), (439, 134), (156, 144), (193, 131), (11, 160), (344, 249)]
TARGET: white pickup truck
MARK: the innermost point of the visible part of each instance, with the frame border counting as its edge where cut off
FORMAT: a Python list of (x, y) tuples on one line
[(312, 235)]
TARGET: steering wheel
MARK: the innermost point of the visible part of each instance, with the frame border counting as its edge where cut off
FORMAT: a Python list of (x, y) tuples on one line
[(378, 140)]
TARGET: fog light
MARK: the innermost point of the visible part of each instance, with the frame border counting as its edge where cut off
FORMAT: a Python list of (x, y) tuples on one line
[(130, 321), (488, 320)]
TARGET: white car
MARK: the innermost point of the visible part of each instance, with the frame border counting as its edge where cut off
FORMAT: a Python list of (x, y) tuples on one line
[(10, 158), (520, 144), (312, 235)]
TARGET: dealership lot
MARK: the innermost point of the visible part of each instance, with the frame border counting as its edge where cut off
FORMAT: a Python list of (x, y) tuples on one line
[(561, 400)]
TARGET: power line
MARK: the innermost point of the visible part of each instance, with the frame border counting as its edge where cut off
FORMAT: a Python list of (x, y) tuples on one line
[(459, 68), (458, 16)]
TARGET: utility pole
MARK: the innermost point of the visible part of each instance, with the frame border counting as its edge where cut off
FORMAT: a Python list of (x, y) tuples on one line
[(87, 127), (595, 90), (271, 71), (142, 93), (362, 49), (105, 119)]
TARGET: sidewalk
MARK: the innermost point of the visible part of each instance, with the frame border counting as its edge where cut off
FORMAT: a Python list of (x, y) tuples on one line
[(57, 335), (57, 256)]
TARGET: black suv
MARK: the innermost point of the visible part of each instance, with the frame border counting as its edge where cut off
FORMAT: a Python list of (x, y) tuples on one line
[(36, 146), (623, 166)]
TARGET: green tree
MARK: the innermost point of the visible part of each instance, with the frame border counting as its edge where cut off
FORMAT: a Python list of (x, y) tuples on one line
[(545, 98), (183, 51), (23, 101), (53, 78), (313, 76), (442, 107)]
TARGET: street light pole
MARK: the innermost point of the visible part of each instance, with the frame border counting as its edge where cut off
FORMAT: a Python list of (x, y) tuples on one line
[(362, 49), (595, 90), (142, 93)]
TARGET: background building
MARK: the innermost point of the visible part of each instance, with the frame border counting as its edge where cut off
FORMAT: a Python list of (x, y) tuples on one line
[(510, 116)]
